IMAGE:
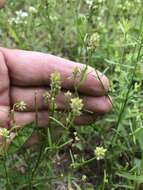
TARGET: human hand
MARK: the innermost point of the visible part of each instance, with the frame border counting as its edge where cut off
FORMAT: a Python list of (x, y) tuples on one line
[(2, 3), (23, 72)]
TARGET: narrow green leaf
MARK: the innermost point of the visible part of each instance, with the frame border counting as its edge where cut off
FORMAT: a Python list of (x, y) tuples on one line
[(21, 137), (13, 34), (129, 176), (49, 138), (139, 136)]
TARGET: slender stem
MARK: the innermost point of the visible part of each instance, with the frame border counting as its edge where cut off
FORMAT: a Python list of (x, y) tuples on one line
[(41, 147), (85, 162), (36, 108), (36, 165), (8, 186)]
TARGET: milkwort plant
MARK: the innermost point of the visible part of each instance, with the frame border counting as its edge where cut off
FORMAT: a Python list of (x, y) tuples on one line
[(48, 147), (106, 35)]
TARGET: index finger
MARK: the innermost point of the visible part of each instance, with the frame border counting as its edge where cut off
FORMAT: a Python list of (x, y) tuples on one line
[(34, 69)]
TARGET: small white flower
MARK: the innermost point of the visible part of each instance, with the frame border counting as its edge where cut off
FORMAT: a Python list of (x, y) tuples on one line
[(84, 177), (77, 138), (101, 1), (100, 153), (12, 20), (21, 14), (20, 18), (68, 94), (32, 9), (89, 2), (21, 106), (75, 133)]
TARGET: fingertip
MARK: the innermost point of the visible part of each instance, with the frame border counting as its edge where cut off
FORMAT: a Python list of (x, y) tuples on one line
[(95, 84), (108, 106), (99, 105), (106, 83), (103, 83)]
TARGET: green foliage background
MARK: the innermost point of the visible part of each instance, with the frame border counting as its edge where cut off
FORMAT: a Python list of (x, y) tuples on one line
[(63, 27)]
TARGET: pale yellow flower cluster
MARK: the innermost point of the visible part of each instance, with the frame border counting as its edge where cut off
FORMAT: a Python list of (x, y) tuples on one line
[(4, 133), (93, 41), (100, 152), (55, 83), (76, 106), (21, 106)]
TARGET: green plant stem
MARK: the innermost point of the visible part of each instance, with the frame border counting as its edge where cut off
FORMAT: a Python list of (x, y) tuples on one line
[(127, 94), (78, 165), (36, 165), (8, 185), (31, 175), (36, 108)]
